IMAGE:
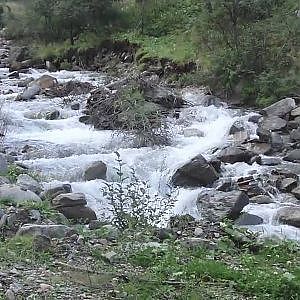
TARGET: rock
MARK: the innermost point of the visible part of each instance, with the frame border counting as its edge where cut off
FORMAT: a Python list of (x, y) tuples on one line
[(249, 219), (41, 243), (25, 182), (52, 115), (268, 161), (216, 164), (190, 132), (296, 192), (110, 232), (69, 200), (289, 215), (96, 170), (14, 74), (258, 148), (217, 205), (276, 141), (287, 184), (163, 96), (195, 243), (264, 135), (210, 100), (4, 180), (237, 126), (3, 164), (235, 154), (280, 108), (10, 295), (96, 224), (15, 193), (29, 93), (75, 106), (295, 134), (295, 112), (262, 199), (24, 83), (51, 231), (53, 192), (198, 172), (226, 186), (273, 123), (44, 82), (255, 118), (111, 257), (293, 156), (78, 213)]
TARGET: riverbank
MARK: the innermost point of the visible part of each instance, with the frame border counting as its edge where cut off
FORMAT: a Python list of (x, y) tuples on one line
[(218, 163)]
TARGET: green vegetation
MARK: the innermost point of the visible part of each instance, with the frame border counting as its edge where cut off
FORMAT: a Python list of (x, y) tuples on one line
[(180, 273), (247, 49)]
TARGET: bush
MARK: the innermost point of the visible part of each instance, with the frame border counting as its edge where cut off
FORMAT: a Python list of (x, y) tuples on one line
[(3, 124), (131, 203)]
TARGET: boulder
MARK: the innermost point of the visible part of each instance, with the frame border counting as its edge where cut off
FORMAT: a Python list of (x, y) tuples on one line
[(258, 148), (78, 213), (255, 118), (269, 161), (15, 193), (51, 231), (262, 199), (289, 215), (29, 93), (25, 82), (287, 184), (295, 112), (4, 180), (44, 82), (53, 192), (3, 164), (273, 123), (25, 182), (190, 132), (234, 154), (237, 126), (41, 243), (277, 142), (296, 192), (248, 219), (198, 172), (52, 115), (161, 95), (264, 135), (75, 106), (69, 200), (96, 170), (295, 134), (215, 205), (280, 108), (293, 156)]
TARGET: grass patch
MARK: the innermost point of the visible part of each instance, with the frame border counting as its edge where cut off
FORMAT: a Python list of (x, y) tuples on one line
[(178, 273), (178, 47), (20, 249)]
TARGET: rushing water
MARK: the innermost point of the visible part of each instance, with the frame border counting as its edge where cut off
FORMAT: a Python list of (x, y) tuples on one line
[(63, 148)]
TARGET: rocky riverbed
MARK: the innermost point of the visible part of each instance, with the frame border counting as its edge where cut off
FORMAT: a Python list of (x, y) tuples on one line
[(216, 162)]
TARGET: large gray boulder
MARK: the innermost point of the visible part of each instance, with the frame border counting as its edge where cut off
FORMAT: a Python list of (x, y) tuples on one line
[(198, 172), (29, 93), (44, 82), (52, 231), (15, 193), (52, 192), (215, 205), (273, 123), (296, 192), (280, 108), (78, 213), (25, 182), (295, 134), (293, 156), (70, 199), (295, 112), (235, 154), (289, 215), (3, 164), (96, 170), (248, 219)]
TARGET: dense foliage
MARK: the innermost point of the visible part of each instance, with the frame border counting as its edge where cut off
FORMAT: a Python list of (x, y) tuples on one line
[(243, 48)]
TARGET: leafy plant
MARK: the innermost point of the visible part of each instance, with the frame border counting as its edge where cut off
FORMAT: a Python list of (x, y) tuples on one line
[(131, 203)]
